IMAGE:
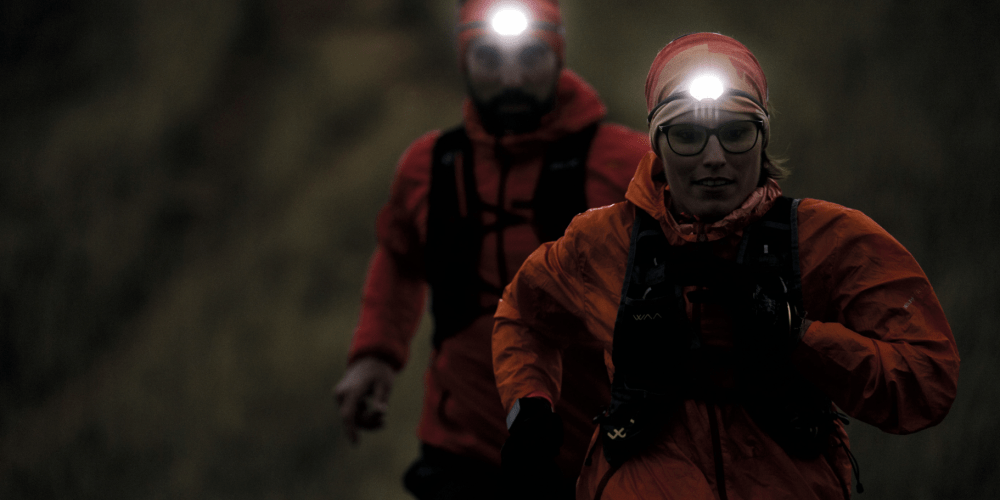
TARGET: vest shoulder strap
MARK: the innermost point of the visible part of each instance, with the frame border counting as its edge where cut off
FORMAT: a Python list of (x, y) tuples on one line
[(561, 191), (771, 245), (454, 239)]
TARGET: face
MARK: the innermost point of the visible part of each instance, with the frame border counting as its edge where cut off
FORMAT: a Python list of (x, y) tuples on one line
[(512, 81), (714, 182)]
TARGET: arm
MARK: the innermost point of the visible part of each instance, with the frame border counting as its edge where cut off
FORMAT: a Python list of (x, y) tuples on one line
[(391, 307), (393, 298), (879, 344), (542, 309)]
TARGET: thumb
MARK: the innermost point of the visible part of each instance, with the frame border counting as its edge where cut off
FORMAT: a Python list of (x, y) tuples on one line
[(348, 400)]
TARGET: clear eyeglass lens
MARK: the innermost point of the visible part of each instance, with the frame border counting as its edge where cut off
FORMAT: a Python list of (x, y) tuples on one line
[(735, 137), (738, 137), (687, 139)]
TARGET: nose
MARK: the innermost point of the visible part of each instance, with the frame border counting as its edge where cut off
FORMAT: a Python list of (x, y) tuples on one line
[(512, 75), (714, 155)]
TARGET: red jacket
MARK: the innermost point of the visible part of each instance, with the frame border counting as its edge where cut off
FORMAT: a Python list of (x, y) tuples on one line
[(879, 345), (462, 411)]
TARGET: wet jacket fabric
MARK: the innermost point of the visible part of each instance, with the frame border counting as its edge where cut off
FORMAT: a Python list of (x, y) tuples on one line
[(461, 412), (879, 344)]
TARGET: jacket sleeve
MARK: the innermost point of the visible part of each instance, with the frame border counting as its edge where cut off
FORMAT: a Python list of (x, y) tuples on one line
[(542, 309), (395, 289), (616, 152), (879, 345)]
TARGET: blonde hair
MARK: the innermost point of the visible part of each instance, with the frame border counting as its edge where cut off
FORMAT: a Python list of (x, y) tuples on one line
[(772, 168)]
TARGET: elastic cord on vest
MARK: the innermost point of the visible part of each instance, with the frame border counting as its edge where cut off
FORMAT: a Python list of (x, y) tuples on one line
[(855, 466), (454, 238)]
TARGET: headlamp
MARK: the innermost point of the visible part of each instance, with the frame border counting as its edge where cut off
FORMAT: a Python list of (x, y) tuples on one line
[(509, 22), (706, 87)]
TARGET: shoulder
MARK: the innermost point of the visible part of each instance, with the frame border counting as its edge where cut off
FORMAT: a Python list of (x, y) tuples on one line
[(818, 216), (847, 238), (613, 139), (602, 227), (613, 158), (415, 163)]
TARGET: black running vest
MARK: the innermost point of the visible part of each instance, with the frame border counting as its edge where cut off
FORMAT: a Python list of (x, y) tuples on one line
[(652, 319), (656, 350), (454, 240)]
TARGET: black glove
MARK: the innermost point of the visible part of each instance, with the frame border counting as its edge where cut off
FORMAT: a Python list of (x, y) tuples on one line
[(528, 458)]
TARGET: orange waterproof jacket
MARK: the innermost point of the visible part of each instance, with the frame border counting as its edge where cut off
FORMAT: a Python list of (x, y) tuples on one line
[(462, 411), (879, 345)]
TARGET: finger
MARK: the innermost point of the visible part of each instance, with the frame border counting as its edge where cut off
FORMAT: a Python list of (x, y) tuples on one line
[(373, 410), (371, 419), (349, 401), (339, 393)]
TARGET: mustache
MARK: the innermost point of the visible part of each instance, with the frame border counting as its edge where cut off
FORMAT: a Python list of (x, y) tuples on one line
[(514, 96), (527, 117)]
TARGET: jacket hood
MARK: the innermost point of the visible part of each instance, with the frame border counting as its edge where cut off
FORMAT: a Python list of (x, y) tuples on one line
[(577, 105), (650, 192)]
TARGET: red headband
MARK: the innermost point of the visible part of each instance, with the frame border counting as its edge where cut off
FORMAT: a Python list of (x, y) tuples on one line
[(688, 57), (687, 53), (544, 22)]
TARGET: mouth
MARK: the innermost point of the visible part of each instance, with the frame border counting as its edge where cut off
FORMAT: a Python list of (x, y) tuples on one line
[(713, 182), (514, 108)]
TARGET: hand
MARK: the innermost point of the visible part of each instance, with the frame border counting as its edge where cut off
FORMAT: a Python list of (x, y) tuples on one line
[(363, 395), (768, 315), (528, 456)]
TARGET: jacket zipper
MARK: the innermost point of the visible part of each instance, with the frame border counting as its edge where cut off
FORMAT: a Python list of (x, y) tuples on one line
[(720, 472)]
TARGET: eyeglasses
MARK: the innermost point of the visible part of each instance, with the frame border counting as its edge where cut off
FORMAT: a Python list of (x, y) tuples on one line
[(688, 139)]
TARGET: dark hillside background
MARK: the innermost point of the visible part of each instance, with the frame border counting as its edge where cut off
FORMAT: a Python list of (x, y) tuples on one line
[(188, 193)]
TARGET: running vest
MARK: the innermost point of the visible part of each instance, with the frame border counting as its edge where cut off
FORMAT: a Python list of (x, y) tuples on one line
[(454, 239), (657, 352)]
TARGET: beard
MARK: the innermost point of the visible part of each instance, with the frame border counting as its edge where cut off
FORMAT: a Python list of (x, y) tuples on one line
[(513, 112)]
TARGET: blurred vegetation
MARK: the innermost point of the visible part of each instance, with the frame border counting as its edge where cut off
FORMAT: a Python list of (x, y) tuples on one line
[(188, 193)]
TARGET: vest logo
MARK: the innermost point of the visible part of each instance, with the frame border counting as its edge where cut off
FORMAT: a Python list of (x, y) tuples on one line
[(643, 317), (620, 432)]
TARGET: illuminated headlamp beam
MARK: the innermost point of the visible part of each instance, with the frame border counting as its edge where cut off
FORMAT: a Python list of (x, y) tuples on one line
[(509, 22), (706, 87)]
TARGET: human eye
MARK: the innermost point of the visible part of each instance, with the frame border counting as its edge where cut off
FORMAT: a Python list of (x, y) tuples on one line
[(736, 131), (532, 55), (488, 57), (685, 134)]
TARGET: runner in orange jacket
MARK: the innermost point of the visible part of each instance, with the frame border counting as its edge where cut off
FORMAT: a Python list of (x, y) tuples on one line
[(694, 420), (523, 108)]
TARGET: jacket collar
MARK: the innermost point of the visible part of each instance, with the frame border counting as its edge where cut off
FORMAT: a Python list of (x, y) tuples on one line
[(577, 105), (650, 192)]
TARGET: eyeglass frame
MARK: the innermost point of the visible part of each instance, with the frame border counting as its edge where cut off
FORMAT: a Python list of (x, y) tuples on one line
[(709, 133)]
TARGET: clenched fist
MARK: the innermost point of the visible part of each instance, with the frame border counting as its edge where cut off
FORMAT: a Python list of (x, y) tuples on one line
[(363, 395)]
